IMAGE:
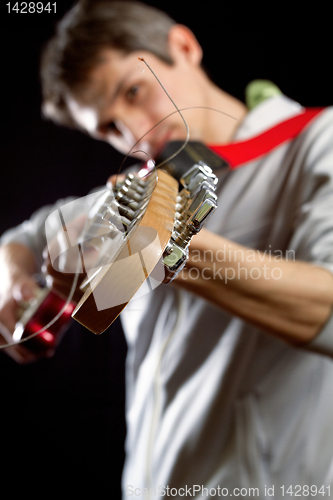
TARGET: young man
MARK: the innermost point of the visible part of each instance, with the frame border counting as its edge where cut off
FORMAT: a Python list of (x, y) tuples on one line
[(227, 392)]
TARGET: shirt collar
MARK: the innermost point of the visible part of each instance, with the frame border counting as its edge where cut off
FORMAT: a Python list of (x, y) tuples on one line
[(265, 115)]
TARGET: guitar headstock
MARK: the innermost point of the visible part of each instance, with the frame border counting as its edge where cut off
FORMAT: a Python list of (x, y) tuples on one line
[(160, 222), (146, 208)]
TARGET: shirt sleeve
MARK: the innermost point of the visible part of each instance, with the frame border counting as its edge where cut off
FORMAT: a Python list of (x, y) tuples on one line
[(31, 233), (313, 234), (36, 232)]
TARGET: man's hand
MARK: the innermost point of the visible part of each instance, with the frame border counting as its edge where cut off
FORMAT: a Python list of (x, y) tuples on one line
[(17, 266)]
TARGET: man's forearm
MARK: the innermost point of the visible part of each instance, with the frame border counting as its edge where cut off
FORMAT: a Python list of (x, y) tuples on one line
[(287, 298)]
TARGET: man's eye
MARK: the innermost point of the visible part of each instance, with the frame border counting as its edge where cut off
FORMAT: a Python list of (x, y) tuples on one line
[(133, 92)]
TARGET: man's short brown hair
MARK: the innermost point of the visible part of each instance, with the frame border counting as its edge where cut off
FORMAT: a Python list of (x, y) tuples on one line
[(85, 30)]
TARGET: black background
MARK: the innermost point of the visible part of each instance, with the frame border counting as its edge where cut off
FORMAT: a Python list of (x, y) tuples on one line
[(62, 419)]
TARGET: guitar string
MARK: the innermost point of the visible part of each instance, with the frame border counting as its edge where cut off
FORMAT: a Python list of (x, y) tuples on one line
[(161, 121), (156, 124), (179, 111)]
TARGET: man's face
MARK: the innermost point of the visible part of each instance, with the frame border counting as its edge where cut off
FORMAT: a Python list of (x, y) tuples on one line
[(124, 104)]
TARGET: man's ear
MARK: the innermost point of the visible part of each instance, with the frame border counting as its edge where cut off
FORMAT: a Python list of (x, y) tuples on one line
[(183, 45)]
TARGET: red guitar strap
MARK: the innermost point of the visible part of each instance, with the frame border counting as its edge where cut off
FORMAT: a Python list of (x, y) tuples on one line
[(238, 153)]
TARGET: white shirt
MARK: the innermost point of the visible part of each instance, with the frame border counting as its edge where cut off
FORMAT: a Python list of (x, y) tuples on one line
[(213, 402)]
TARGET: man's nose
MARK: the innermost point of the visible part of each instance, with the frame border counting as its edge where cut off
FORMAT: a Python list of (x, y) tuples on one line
[(130, 131)]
